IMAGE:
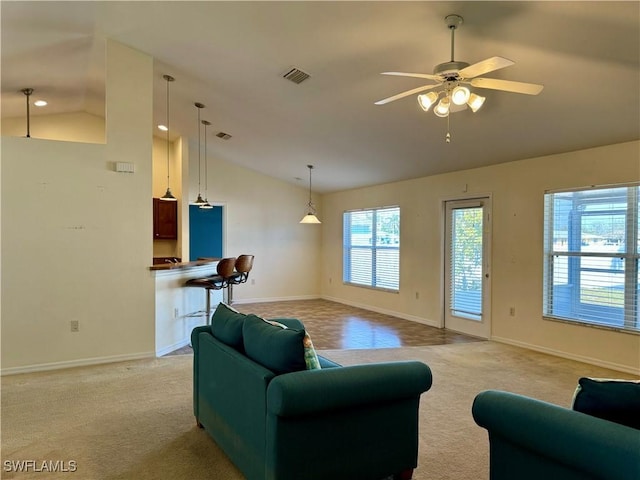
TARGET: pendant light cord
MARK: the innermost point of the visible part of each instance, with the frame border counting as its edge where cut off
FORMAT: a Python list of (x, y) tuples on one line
[(206, 175), (168, 79), (28, 92), (310, 168), (199, 161)]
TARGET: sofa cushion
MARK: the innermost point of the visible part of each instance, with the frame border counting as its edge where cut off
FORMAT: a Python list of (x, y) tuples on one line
[(310, 355), (279, 349), (614, 400), (226, 326)]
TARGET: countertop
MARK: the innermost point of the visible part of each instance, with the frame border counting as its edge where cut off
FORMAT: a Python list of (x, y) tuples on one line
[(183, 265)]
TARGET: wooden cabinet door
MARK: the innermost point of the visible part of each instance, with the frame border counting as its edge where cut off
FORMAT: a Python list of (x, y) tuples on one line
[(165, 220)]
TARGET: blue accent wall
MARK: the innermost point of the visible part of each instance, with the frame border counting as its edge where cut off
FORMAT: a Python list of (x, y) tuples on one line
[(205, 232)]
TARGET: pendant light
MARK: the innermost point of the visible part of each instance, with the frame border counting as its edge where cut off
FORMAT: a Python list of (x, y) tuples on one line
[(168, 196), (206, 205), (199, 200), (310, 217), (28, 92)]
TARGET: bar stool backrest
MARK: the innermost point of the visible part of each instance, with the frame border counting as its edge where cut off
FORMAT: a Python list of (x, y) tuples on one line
[(244, 263), (225, 267)]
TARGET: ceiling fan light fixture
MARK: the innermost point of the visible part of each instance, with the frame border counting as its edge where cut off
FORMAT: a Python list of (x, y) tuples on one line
[(475, 102), (460, 95), (426, 100), (442, 109)]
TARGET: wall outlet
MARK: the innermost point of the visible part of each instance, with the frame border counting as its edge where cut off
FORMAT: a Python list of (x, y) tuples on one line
[(512, 311), (176, 312), (253, 281), (75, 325), (417, 295)]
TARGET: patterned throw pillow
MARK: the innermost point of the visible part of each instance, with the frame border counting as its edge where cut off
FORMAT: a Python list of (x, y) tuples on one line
[(310, 355)]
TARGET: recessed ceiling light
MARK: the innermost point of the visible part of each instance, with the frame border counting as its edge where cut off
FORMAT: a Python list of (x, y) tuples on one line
[(163, 128), (40, 103)]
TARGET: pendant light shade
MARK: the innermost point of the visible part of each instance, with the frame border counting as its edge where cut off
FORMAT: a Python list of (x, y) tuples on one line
[(310, 217), (206, 205), (199, 201), (168, 196)]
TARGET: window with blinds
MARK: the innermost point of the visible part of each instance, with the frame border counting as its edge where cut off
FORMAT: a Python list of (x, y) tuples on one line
[(591, 256), (371, 248), (466, 252)]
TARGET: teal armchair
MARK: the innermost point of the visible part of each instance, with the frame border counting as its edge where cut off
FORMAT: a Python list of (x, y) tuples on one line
[(533, 440)]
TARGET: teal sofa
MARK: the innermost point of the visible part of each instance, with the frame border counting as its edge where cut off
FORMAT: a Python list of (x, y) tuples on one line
[(532, 440), (338, 423)]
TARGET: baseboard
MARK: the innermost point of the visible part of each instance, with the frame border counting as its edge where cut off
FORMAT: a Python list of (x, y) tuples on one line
[(164, 350), (41, 367), (274, 299), (404, 316), (579, 358)]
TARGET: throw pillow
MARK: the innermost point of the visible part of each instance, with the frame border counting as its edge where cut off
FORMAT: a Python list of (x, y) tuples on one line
[(614, 400), (226, 326), (310, 355), (279, 349)]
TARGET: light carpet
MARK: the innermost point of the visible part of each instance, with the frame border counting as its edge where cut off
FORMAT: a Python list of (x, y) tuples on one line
[(134, 420)]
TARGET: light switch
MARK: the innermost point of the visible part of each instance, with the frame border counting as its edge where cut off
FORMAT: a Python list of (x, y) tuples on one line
[(125, 167)]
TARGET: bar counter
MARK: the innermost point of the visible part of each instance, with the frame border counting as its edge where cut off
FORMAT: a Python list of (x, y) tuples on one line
[(184, 265)]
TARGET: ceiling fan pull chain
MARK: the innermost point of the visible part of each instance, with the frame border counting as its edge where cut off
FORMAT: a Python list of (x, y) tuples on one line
[(447, 137)]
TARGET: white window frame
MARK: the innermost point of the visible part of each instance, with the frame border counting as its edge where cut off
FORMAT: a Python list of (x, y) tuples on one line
[(373, 246), (571, 308)]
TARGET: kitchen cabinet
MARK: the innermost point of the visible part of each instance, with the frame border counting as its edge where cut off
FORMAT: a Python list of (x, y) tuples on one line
[(165, 220)]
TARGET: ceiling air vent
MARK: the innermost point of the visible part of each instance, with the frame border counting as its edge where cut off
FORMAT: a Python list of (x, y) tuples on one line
[(222, 135), (295, 75)]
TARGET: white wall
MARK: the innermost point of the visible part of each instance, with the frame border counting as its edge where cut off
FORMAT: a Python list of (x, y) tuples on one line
[(77, 236), (70, 127), (262, 216), (517, 189)]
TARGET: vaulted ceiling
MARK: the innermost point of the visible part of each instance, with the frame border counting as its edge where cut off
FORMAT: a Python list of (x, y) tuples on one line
[(231, 56)]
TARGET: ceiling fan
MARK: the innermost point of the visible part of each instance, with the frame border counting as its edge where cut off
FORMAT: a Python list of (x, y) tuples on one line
[(453, 76)]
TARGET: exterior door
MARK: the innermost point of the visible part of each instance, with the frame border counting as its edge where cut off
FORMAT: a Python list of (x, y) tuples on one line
[(467, 268)]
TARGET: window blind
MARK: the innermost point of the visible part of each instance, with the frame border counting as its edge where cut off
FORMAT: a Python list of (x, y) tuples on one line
[(591, 260), (371, 247)]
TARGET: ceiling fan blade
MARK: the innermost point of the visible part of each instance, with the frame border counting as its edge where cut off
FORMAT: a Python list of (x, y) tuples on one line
[(406, 94), (507, 85), (485, 66), (415, 75)]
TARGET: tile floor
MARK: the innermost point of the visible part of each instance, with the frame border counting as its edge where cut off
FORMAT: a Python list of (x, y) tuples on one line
[(334, 325)]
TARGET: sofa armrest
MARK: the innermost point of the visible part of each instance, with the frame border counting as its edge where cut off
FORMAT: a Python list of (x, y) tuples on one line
[(195, 343), (316, 391), (555, 436)]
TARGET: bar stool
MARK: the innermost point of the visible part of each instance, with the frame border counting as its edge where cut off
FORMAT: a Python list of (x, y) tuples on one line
[(225, 269), (243, 265)]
